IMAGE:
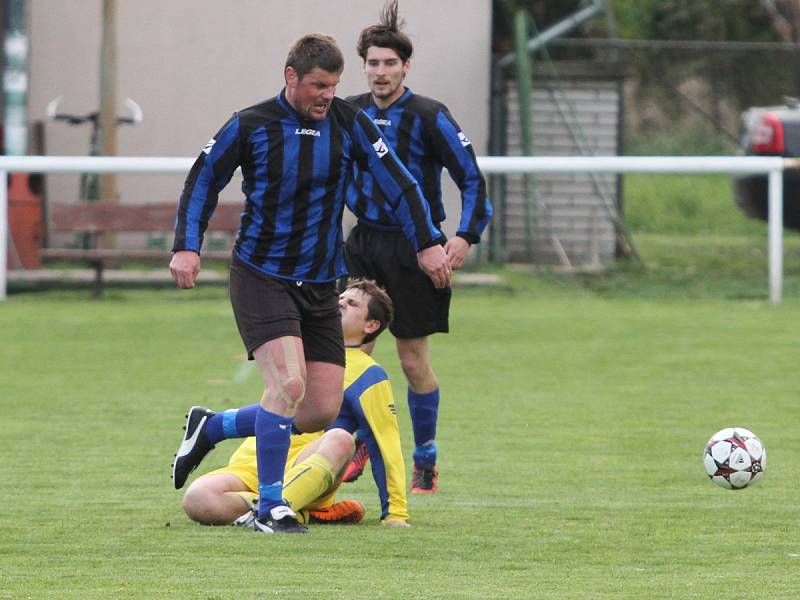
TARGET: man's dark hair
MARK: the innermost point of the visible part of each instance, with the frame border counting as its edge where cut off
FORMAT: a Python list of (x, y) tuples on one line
[(386, 34), (315, 50), (379, 307)]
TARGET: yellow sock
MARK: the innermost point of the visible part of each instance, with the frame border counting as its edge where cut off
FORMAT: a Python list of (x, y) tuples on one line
[(307, 481)]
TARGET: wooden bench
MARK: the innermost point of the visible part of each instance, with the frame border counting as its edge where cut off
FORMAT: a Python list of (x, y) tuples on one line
[(107, 217)]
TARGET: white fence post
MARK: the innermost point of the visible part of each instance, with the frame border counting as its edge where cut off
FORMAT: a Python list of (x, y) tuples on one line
[(4, 236), (775, 235)]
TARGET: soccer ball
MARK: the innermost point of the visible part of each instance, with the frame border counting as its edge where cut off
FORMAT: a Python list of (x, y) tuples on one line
[(735, 458)]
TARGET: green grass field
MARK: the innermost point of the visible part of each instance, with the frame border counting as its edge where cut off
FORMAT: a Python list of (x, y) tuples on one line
[(575, 410), (571, 437)]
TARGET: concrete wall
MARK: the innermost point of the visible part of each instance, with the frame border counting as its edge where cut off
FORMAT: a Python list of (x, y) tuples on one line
[(572, 217), (191, 63)]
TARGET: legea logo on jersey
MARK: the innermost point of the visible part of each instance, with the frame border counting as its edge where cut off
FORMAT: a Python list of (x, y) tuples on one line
[(380, 148), (382, 122), (209, 145), (314, 132), (463, 139)]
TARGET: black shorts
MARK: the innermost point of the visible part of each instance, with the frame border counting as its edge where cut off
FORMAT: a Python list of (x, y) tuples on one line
[(386, 256), (267, 308)]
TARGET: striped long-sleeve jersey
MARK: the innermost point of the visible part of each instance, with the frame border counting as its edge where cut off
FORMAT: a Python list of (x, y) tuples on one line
[(368, 407), (426, 138), (294, 178)]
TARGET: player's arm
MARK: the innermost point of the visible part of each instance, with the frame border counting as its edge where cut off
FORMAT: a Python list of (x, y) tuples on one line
[(404, 196), (385, 449), (456, 153), (209, 174)]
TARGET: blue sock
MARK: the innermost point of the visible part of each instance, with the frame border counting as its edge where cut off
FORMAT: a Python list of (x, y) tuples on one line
[(424, 411), (272, 446), (233, 423), (425, 455)]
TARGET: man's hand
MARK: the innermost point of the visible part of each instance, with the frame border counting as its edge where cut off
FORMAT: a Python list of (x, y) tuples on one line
[(395, 523), (185, 266), (456, 249), (433, 261)]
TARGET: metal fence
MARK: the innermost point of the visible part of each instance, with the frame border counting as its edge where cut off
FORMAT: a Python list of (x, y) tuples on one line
[(772, 166)]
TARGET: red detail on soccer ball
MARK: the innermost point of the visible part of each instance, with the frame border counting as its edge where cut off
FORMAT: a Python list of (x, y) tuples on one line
[(734, 458)]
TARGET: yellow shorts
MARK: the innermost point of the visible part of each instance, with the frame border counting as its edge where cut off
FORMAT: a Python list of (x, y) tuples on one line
[(243, 465)]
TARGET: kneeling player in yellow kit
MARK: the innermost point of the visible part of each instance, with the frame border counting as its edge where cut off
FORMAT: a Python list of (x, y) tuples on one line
[(317, 460)]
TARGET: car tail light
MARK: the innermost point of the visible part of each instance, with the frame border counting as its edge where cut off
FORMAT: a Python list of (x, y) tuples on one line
[(768, 135)]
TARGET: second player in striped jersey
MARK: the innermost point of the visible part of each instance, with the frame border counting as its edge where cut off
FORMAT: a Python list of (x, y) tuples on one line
[(427, 139)]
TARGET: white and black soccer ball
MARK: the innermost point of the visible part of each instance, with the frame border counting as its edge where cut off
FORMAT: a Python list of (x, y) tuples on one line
[(735, 458)]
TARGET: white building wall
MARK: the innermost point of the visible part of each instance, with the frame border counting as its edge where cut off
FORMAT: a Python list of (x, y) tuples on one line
[(191, 63)]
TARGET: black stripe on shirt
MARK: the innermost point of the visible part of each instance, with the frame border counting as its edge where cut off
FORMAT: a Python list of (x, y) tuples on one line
[(405, 135), (302, 201), (322, 250), (269, 203)]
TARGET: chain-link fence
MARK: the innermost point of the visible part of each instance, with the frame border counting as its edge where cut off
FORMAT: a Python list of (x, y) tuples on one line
[(605, 97)]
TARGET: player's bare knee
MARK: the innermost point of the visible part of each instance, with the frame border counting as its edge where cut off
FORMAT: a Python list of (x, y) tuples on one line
[(286, 377), (207, 506), (289, 391), (195, 503), (414, 367), (342, 442), (338, 447), (294, 390)]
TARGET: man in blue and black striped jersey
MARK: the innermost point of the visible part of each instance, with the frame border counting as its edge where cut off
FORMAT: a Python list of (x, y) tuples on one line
[(296, 152), (427, 139)]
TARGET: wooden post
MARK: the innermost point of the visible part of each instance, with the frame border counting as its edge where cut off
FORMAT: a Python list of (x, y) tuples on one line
[(108, 97), (107, 132)]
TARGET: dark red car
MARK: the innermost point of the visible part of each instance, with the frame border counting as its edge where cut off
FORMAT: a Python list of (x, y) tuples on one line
[(770, 131)]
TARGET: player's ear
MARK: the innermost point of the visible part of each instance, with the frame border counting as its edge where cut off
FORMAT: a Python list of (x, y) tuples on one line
[(371, 326), (290, 76), (406, 67)]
